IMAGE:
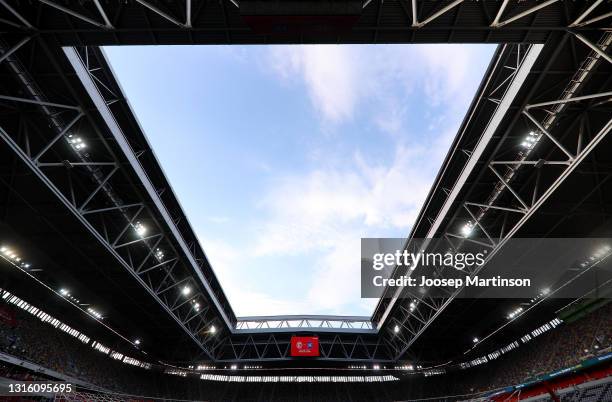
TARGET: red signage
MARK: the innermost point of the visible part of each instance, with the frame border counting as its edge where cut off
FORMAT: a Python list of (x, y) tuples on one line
[(304, 346)]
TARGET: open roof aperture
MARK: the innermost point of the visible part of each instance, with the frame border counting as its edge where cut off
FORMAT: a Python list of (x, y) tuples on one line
[(283, 157)]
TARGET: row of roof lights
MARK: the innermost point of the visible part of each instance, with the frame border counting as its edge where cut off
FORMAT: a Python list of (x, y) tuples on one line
[(290, 378), (204, 367), (141, 231), (515, 313), (186, 291), (66, 293), (95, 313), (44, 317), (598, 255), (412, 306), (378, 367), (11, 255), (529, 142)]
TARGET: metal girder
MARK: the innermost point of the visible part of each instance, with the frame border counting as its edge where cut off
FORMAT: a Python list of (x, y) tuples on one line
[(102, 220), (164, 14), (497, 23), (13, 49), (79, 15), (418, 24), (89, 83), (319, 323), (525, 60), (16, 14), (580, 20), (418, 15), (277, 347), (38, 102), (417, 321)]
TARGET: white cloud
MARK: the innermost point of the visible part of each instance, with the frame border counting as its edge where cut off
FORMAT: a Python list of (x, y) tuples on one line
[(321, 213), (324, 213), (315, 209), (329, 75), (339, 78), (226, 261)]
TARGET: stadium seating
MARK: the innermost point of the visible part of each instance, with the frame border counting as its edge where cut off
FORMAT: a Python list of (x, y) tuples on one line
[(33, 340)]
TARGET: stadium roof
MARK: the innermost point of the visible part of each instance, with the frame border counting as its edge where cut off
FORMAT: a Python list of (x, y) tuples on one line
[(79, 214)]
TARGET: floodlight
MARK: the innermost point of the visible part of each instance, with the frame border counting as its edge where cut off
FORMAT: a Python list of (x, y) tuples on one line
[(396, 329), (376, 367), (186, 290), (77, 142), (212, 329), (475, 340), (159, 254), (140, 229), (64, 292), (467, 229), (137, 341), (234, 367), (530, 140), (545, 291)]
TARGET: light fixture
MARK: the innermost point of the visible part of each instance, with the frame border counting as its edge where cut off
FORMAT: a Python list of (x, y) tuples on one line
[(77, 142), (186, 290), (475, 340), (530, 140), (515, 313), (140, 229), (94, 313), (234, 367), (137, 341), (376, 367), (212, 329), (64, 292), (396, 329), (159, 254), (467, 229), (545, 291)]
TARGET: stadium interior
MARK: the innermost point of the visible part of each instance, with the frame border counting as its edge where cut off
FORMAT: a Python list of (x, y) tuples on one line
[(85, 204)]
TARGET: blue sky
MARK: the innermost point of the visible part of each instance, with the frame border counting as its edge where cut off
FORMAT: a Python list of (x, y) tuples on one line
[(283, 157)]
